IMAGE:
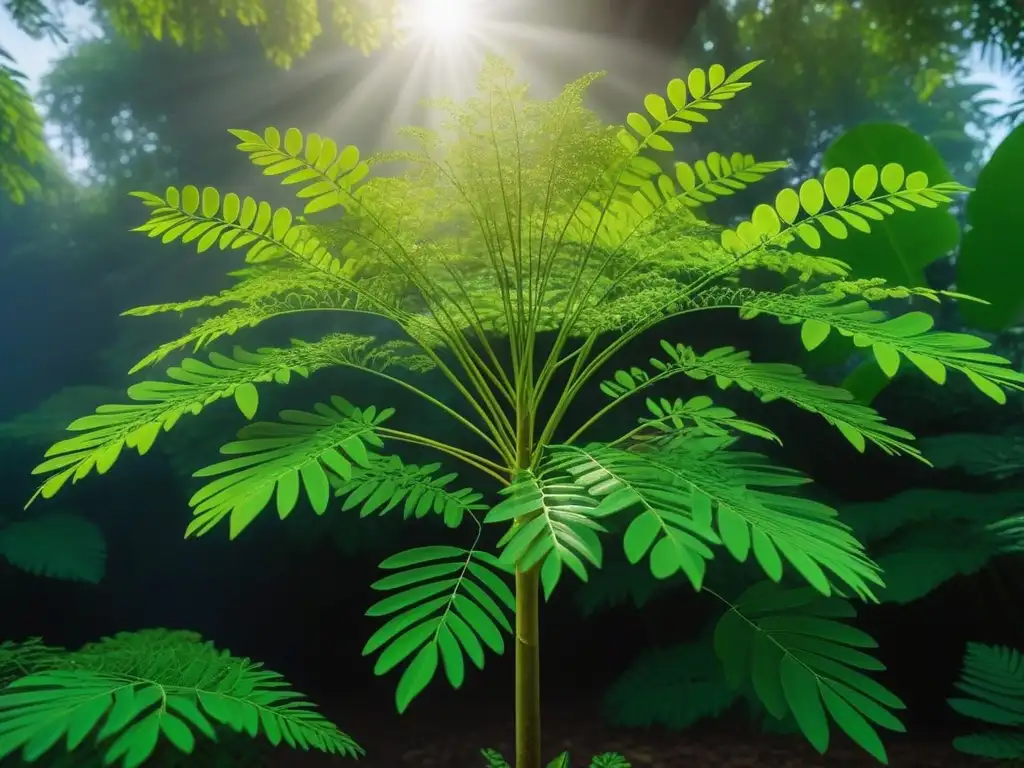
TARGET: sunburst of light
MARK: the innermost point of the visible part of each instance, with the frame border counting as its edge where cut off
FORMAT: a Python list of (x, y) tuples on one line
[(441, 21), (361, 100)]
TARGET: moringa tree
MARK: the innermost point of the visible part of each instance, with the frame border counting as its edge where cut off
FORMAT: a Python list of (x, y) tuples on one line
[(517, 250)]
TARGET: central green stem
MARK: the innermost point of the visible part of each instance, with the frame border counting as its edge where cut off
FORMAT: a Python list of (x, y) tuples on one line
[(528, 743), (528, 737)]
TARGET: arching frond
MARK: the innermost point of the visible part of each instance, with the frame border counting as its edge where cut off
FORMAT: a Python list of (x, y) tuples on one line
[(446, 604), (329, 173), (676, 417), (131, 691), (769, 381), (263, 292), (703, 182), (267, 234), (22, 139), (57, 545), (688, 100), (555, 526), (687, 499), (18, 659), (800, 660), (211, 329), (158, 405), (254, 283), (280, 460), (190, 214), (993, 683), (386, 483), (836, 204), (909, 336)]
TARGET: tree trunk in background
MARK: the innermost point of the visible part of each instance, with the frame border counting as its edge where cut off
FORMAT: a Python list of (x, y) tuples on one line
[(638, 42)]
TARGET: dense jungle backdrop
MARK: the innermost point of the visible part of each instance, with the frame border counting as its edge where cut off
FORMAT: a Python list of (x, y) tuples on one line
[(145, 99)]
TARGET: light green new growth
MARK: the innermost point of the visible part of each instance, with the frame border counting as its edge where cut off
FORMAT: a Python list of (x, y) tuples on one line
[(22, 143), (518, 218)]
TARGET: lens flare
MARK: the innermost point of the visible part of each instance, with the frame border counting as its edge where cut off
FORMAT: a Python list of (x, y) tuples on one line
[(441, 20)]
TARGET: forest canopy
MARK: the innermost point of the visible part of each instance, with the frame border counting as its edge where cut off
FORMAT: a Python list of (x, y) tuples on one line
[(934, 32)]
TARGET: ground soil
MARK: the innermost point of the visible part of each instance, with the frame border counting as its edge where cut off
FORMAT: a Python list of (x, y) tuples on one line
[(455, 742)]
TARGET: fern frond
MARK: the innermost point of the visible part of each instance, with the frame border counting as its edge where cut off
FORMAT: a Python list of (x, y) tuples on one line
[(675, 417), (387, 483), (209, 330), (702, 91), (999, 456), (558, 526), (636, 190), (993, 679), (234, 223), (256, 283), (694, 185), (769, 381), (158, 405), (262, 292), (676, 687), (835, 205), (330, 174), (56, 545), (668, 520), (801, 660), (18, 659), (908, 336), (24, 140), (918, 561), (279, 460), (923, 537), (685, 495), (875, 522), (132, 700), (442, 613), (189, 214)]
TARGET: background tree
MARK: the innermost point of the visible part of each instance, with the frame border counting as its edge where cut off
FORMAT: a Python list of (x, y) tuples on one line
[(22, 144), (906, 34)]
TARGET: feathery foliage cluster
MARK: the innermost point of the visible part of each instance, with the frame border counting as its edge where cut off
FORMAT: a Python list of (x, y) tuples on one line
[(131, 691), (518, 250), (58, 545), (286, 30), (922, 538), (993, 683), (21, 133), (998, 457)]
